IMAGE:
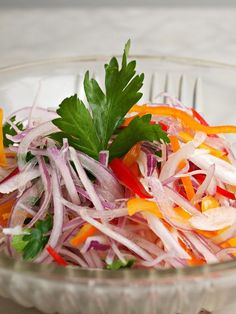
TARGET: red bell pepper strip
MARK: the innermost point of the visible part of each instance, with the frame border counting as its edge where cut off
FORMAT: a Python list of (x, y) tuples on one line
[(12, 174), (57, 258), (199, 117), (127, 178), (225, 193)]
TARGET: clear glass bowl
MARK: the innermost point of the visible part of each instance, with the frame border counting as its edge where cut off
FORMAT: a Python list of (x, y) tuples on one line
[(69, 290)]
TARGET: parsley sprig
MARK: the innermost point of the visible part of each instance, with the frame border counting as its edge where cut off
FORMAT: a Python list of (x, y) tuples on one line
[(90, 130), (32, 243), (7, 129)]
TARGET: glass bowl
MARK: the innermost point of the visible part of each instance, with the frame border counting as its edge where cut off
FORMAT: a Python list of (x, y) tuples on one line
[(211, 87)]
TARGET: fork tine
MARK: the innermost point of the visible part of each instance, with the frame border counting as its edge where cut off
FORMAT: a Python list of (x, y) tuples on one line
[(167, 84), (151, 89), (197, 94), (182, 88)]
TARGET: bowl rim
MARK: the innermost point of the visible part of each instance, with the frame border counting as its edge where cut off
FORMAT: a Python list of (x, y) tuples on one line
[(8, 264)]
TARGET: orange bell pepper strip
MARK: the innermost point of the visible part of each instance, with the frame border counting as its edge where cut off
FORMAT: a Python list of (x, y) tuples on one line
[(5, 210), (132, 155), (86, 231), (186, 119), (3, 160)]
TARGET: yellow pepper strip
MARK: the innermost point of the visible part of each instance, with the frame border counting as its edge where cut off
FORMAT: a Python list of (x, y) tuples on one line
[(136, 205), (184, 117), (209, 202), (186, 137), (185, 180), (3, 160), (132, 155), (86, 231), (181, 212)]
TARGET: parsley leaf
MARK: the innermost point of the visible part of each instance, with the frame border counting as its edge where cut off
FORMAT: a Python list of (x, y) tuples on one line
[(90, 131), (118, 264), (77, 125), (121, 93), (138, 130), (7, 129), (32, 243)]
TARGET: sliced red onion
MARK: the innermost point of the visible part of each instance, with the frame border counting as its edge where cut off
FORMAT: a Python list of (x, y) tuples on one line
[(26, 200), (95, 242), (85, 181), (39, 131), (73, 257), (205, 184), (106, 214), (157, 260), (96, 259), (103, 175), (58, 217), (223, 254), (76, 222), (19, 181), (170, 167), (199, 138), (151, 164), (181, 201), (46, 179), (202, 249), (89, 260), (43, 113), (105, 203), (225, 235), (104, 157), (18, 137), (56, 157), (223, 170), (165, 205), (105, 229), (167, 238), (214, 219)]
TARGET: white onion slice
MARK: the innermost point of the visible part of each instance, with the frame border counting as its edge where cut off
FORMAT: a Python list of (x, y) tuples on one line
[(214, 219)]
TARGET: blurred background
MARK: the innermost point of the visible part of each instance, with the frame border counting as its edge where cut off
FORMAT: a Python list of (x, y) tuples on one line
[(32, 29), (42, 29)]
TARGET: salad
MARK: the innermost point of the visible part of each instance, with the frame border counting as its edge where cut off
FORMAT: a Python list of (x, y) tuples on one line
[(114, 184)]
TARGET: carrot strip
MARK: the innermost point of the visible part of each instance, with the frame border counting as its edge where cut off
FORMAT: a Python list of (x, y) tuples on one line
[(86, 231), (184, 117), (3, 160)]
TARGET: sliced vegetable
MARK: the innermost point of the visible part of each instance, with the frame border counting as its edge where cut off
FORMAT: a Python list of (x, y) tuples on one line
[(86, 231), (126, 178), (185, 118), (56, 257)]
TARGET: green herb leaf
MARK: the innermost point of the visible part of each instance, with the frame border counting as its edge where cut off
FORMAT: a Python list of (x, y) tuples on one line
[(118, 264), (121, 93), (91, 132), (31, 244), (18, 243), (77, 125), (138, 130), (7, 129)]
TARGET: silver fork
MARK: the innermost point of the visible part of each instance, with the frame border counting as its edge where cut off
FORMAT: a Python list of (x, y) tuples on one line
[(189, 91)]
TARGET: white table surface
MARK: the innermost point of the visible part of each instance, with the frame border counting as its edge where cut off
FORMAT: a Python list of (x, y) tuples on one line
[(29, 34)]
